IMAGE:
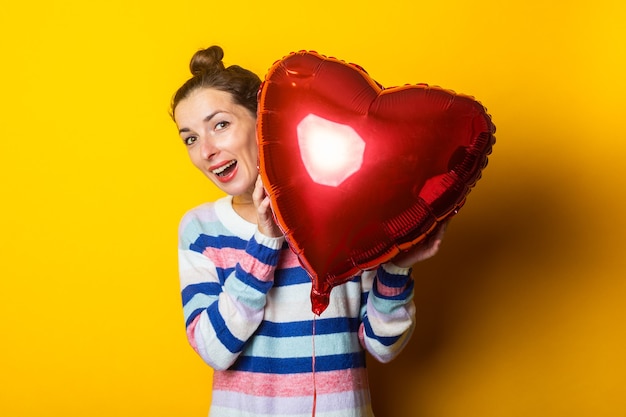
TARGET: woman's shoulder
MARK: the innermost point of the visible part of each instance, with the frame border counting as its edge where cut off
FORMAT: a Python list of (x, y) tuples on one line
[(205, 211), (216, 218), (202, 219)]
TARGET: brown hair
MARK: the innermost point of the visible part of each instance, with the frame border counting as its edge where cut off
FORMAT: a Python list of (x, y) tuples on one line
[(208, 71)]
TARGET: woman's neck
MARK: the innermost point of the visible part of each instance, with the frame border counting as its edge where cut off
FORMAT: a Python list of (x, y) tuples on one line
[(244, 207)]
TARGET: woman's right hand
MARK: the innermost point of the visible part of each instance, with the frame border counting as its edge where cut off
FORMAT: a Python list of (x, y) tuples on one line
[(423, 250), (265, 216)]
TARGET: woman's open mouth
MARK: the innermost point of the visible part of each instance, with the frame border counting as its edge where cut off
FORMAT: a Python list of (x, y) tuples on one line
[(225, 170)]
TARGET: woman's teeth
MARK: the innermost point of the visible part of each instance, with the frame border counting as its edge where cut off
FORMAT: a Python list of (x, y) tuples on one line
[(220, 171)]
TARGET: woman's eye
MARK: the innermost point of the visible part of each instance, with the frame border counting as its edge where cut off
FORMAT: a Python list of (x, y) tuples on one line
[(189, 140), (221, 125)]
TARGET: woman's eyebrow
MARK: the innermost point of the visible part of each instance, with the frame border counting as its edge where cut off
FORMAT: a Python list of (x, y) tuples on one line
[(212, 115), (206, 119)]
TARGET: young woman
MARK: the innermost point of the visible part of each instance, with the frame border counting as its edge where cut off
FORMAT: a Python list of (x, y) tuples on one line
[(246, 299)]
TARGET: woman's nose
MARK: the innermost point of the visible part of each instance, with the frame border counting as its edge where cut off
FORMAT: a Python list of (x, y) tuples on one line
[(207, 148)]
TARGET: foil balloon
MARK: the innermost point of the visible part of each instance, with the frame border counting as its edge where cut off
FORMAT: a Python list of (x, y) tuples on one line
[(356, 172)]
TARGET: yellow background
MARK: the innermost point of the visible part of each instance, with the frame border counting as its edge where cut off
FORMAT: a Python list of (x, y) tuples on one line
[(521, 314)]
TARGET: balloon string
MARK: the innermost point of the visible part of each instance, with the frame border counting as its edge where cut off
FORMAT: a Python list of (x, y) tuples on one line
[(313, 369)]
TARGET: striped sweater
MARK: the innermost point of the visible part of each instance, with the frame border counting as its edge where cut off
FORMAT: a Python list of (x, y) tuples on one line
[(247, 310)]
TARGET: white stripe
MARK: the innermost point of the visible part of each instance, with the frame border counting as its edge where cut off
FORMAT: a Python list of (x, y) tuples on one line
[(240, 320), (195, 268), (384, 353), (293, 303), (209, 347), (328, 405), (390, 325)]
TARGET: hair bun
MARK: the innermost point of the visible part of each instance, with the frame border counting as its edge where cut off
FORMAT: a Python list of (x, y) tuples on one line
[(207, 60)]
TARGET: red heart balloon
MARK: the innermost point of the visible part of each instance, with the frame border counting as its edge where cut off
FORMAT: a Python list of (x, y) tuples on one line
[(356, 172)]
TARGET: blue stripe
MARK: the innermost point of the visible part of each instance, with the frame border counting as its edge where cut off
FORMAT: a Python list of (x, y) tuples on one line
[(221, 330), (207, 288), (299, 365), (364, 297), (305, 328), (223, 273), (205, 241), (262, 253), (386, 341), (198, 302), (392, 280), (252, 281), (291, 276), (193, 315)]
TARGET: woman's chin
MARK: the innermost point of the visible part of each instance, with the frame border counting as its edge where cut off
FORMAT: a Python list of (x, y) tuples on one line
[(235, 188)]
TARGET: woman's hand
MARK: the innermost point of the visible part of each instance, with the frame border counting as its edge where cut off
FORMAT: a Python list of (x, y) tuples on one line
[(265, 217), (423, 250)]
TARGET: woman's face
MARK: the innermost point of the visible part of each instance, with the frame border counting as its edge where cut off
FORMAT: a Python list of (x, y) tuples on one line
[(220, 137)]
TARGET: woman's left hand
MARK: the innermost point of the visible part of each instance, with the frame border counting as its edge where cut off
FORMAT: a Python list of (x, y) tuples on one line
[(423, 250)]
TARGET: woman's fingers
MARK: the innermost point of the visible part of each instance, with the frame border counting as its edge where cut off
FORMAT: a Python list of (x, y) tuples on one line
[(259, 192), (265, 217)]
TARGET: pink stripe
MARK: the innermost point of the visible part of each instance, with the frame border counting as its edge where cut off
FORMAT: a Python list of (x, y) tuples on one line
[(389, 291), (191, 330), (362, 336), (223, 257), (256, 268), (288, 259), (292, 385)]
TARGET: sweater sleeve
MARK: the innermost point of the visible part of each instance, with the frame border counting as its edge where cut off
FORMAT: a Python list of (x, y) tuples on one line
[(224, 282), (389, 318)]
